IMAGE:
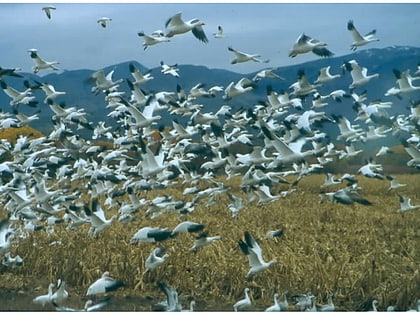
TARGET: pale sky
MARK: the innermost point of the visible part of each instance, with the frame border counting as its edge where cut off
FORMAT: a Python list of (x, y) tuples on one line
[(75, 39)]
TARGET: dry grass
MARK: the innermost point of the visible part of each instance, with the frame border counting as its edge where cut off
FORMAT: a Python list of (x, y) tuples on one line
[(358, 252)]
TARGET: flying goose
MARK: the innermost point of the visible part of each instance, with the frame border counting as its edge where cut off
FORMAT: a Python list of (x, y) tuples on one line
[(244, 303), (404, 81), (302, 87), (393, 183), (18, 97), (360, 40), (172, 302), (253, 251), (48, 10), (235, 89), (97, 218), (324, 75), (6, 235), (187, 227), (203, 240), (46, 298), (10, 72), (176, 26), (171, 70), (155, 38), (138, 76), (150, 235), (103, 21), (104, 83), (50, 92), (41, 64), (305, 44), (267, 73), (244, 57), (156, 258), (358, 74), (405, 204), (104, 284), (220, 33)]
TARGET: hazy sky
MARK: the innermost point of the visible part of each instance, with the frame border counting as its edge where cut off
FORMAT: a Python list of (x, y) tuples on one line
[(75, 39)]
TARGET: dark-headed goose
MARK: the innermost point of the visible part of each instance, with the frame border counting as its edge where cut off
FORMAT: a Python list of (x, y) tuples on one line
[(220, 33)]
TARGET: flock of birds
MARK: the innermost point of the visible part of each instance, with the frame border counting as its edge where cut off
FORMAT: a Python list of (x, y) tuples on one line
[(281, 133)]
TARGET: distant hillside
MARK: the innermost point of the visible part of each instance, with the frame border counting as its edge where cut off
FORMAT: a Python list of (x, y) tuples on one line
[(78, 86)]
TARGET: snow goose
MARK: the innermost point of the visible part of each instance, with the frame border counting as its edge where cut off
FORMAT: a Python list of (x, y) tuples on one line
[(374, 306), (244, 303), (41, 64), (104, 284), (187, 227), (6, 72), (360, 40), (348, 196), (97, 218), (393, 183), (324, 75), (138, 76), (61, 294), (371, 170), (236, 205), (150, 235), (155, 38), (48, 10), (302, 87), (252, 250), (50, 92), (156, 258), (405, 204), (235, 89), (103, 21), (176, 26), (10, 261), (88, 307), (305, 44), (46, 298), (244, 57), (330, 307), (303, 301), (275, 307), (172, 302), (18, 97), (348, 132), (220, 32), (358, 74), (417, 309), (170, 70), (404, 81), (6, 234), (104, 83), (330, 181), (203, 240), (384, 150), (274, 233), (267, 73)]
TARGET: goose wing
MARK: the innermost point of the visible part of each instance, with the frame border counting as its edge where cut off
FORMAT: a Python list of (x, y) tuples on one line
[(354, 32)]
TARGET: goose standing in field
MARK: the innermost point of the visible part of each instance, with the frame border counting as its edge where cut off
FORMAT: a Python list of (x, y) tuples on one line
[(88, 307), (374, 306), (275, 307), (41, 64), (176, 26), (241, 57), (46, 298), (324, 75), (252, 250), (305, 44), (220, 32), (330, 307), (203, 240), (103, 21), (405, 204), (358, 39), (172, 302), (10, 261), (155, 38), (61, 294), (244, 303), (104, 284), (48, 10)]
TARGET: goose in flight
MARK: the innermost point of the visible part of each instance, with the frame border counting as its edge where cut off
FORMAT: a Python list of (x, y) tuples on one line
[(187, 227), (305, 44), (104, 83), (358, 74), (203, 240), (156, 258), (244, 303), (244, 57), (405, 204), (302, 87), (360, 40), (252, 250), (97, 218), (104, 284), (150, 235), (50, 92), (235, 89), (41, 64), (405, 83), (172, 302), (155, 38), (48, 10), (10, 72), (171, 70), (5, 236), (138, 76), (324, 75), (267, 73), (103, 21), (220, 32), (176, 26), (18, 97)]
